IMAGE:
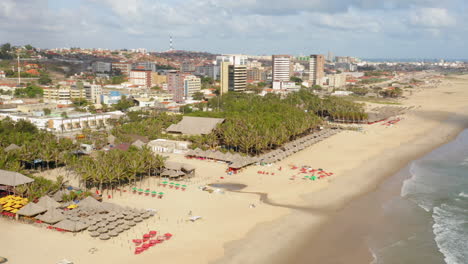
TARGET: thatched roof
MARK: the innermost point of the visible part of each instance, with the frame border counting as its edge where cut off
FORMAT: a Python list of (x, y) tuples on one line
[(187, 167), (91, 203), (47, 202), (139, 144), (58, 195), (11, 178), (71, 226), (173, 165), (195, 125), (31, 209), (11, 147), (52, 216)]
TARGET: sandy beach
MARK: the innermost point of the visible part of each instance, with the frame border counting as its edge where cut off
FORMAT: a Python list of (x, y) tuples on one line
[(237, 227)]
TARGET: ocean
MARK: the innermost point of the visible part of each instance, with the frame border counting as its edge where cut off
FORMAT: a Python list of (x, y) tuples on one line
[(418, 215), (428, 221)]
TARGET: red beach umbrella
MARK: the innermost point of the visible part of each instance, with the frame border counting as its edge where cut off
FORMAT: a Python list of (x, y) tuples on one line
[(153, 233)]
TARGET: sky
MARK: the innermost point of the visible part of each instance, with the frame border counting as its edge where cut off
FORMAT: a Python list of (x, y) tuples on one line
[(361, 28)]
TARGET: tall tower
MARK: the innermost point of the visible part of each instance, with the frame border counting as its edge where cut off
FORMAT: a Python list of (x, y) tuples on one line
[(171, 45), (281, 67), (316, 69)]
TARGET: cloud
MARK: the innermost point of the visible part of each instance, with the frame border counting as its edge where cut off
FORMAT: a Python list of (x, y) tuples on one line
[(433, 18)]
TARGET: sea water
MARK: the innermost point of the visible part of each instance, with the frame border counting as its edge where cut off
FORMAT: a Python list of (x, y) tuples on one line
[(428, 222)]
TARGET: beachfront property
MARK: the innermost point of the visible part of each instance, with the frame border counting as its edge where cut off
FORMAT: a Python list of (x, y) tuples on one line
[(59, 124), (168, 146)]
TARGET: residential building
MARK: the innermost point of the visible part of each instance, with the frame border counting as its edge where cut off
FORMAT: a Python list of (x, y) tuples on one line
[(237, 78), (93, 93), (224, 77), (65, 94), (256, 75), (141, 78), (123, 68), (112, 98), (192, 84), (316, 69), (232, 59), (336, 80), (2, 74), (101, 67), (282, 67), (145, 66), (176, 85), (212, 71), (281, 85), (187, 67)]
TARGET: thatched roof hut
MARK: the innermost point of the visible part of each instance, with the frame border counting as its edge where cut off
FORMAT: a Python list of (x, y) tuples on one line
[(13, 179)]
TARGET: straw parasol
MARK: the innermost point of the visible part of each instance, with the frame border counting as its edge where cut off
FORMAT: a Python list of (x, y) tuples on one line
[(138, 219), (113, 233), (91, 203), (104, 237), (93, 228), (47, 202), (94, 234), (103, 230), (52, 216), (71, 226), (119, 229), (31, 209), (125, 227), (146, 215), (131, 223)]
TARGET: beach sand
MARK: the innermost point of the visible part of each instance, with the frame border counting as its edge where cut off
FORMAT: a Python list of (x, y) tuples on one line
[(231, 231)]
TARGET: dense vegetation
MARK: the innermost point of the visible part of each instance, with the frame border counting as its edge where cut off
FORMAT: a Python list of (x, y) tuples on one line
[(112, 168), (31, 91), (35, 145), (148, 124)]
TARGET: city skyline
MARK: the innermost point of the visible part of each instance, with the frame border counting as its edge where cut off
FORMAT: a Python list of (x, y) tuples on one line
[(394, 29)]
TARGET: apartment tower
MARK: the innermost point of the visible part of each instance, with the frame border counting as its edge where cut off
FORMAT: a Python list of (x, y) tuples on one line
[(282, 68), (316, 69)]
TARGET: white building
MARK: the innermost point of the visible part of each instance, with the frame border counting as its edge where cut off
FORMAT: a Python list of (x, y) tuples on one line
[(280, 85), (281, 68), (168, 146), (192, 84), (232, 59), (336, 80), (60, 124), (141, 78)]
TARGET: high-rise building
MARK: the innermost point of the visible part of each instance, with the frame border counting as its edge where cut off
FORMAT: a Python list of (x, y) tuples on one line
[(182, 85), (187, 67), (237, 78), (232, 59), (192, 84), (282, 67), (145, 66), (224, 77), (256, 75), (316, 69)]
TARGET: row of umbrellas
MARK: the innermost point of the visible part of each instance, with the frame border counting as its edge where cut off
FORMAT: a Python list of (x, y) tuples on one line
[(237, 161), (12, 203), (295, 146)]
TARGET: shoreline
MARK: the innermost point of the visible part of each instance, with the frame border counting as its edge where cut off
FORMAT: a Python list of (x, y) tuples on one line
[(297, 228)]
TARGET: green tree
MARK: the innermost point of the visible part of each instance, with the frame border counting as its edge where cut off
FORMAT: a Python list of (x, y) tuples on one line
[(198, 96), (124, 104), (31, 91), (295, 79), (44, 79), (47, 111)]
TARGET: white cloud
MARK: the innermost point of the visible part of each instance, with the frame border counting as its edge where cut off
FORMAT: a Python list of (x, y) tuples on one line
[(433, 18)]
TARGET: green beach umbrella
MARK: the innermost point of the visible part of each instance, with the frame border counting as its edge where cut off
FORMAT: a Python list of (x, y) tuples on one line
[(313, 178), (154, 192), (306, 177), (164, 182), (140, 190), (161, 193), (134, 188), (178, 184), (185, 186), (147, 191), (171, 183)]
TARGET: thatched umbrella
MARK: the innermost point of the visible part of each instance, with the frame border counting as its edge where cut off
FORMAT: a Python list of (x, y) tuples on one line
[(31, 209), (146, 215), (47, 202), (138, 219), (131, 223), (112, 219), (93, 228), (103, 230), (113, 233), (129, 217), (71, 226), (52, 216), (125, 227), (119, 229), (119, 216), (120, 221), (104, 237), (94, 234), (91, 203)]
